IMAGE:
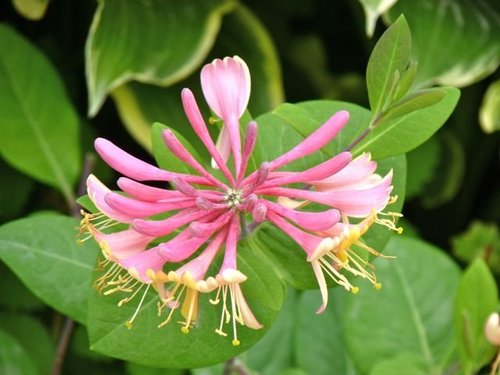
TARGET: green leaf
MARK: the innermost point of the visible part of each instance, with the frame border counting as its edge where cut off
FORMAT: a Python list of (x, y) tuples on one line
[(413, 102), (454, 42), (164, 158), (373, 10), (155, 41), (316, 352), (480, 240), (46, 245), (38, 125), (274, 353), (32, 336), (202, 346), (422, 164), (477, 298), (31, 9), (489, 113), (411, 363), (406, 132), (411, 313), (13, 358), (389, 59), (243, 34), (135, 369)]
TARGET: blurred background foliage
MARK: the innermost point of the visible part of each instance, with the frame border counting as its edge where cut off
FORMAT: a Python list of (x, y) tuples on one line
[(74, 70)]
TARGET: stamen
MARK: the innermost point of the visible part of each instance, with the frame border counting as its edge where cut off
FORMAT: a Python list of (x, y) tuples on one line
[(129, 323)]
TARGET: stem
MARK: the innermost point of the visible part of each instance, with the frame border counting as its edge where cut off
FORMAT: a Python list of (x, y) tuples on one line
[(234, 365), (62, 346)]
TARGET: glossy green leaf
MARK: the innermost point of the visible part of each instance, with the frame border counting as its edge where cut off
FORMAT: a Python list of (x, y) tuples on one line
[(489, 113), (422, 164), (406, 132), (14, 360), (373, 10), (38, 125), (477, 298), (46, 245), (389, 59), (135, 369), (32, 336), (402, 364), (243, 34), (413, 102), (454, 42), (274, 353), (31, 9), (156, 41), (319, 342), (411, 313), (202, 346)]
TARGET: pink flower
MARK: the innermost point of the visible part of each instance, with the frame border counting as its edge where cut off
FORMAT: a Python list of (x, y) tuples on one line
[(201, 215)]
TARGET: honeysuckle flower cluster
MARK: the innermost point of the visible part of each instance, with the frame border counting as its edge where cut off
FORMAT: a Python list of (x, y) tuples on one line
[(196, 216)]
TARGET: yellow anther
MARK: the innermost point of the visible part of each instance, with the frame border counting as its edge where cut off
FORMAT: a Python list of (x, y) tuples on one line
[(236, 342), (128, 324), (185, 330), (355, 290), (377, 286)]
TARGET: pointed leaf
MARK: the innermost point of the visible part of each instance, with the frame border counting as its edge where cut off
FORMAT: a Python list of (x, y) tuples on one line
[(477, 298), (156, 41), (46, 245), (411, 313), (373, 10), (389, 59), (413, 102), (406, 132), (38, 125), (31, 9)]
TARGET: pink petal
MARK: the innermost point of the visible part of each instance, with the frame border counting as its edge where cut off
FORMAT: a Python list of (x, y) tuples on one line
[(139, 264), (223, 145), (182, 154), (200, 229), (181, 247), (97, 192), (314, 141), (145, 192), (132, 167), (314, 221), (123, 244), (158, 228), (320, 171), (307, 241), (355, 203), (226, 87), (250, 141), (195, 118), (137, 209), (233, 233), (354, 174)]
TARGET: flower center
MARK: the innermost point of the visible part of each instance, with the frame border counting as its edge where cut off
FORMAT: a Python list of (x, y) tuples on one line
[(233, 197)]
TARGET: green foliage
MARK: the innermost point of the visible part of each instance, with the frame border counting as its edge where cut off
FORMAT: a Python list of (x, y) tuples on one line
[(31, 9), (489, 113), (373, 10), (124, 42), (454, 42), (412, 312), (39, 140), (13, 358), (477, 298), (45, 245)]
